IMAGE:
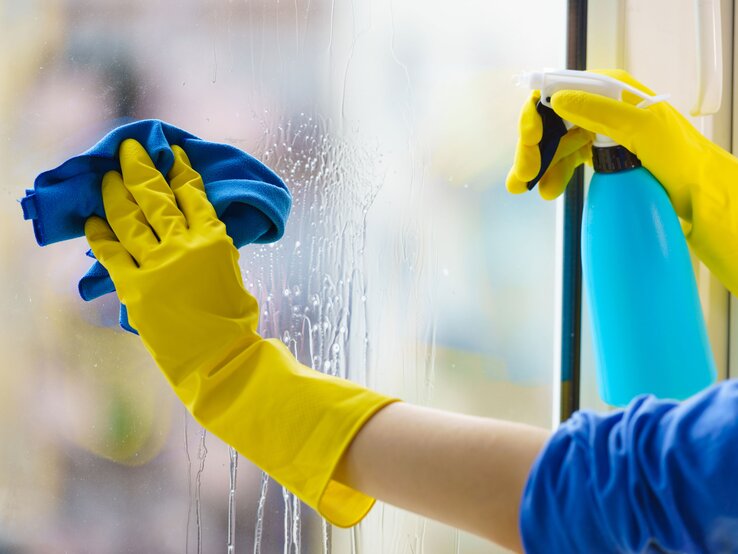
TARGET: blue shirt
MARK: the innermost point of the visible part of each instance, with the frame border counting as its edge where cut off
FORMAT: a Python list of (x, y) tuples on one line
[(658, 476)]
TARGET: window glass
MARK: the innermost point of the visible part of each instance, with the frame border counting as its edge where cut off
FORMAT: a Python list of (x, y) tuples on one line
[(405, 266)]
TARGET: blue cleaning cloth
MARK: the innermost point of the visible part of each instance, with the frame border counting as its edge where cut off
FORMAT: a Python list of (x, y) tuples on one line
[(659, 476), (248, 197)]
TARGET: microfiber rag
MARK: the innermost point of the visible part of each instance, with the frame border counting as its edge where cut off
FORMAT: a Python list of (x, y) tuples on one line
[(248, 197)]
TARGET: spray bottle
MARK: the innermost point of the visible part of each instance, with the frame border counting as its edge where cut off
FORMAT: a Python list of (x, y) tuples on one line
[(648, 329)]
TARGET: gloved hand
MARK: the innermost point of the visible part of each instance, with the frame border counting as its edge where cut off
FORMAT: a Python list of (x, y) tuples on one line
[(575, 148), (700, 178), (176, 270)]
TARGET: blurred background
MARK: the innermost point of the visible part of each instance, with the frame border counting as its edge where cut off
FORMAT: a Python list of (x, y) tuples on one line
[(405, 266)]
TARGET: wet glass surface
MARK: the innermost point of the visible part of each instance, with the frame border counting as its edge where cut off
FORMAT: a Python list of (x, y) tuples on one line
[(405, 266)]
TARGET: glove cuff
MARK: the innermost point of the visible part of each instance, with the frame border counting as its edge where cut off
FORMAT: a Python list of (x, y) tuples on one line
[(293, 422), (340, 504)]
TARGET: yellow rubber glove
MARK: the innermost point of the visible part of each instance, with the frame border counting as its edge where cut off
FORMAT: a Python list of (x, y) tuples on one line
[(176, 270), (700, 178), (575, 148)]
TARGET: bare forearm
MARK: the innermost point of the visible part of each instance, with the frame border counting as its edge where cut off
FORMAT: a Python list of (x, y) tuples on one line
[(465, 471)]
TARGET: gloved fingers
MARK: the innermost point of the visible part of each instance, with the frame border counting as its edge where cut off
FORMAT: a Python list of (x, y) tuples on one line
[(528, 159), (554, 181), (618, 120), (530, 126), (107, 249), (151, 190), (515, 185), (573, 141), (126, 218), (525, 167), (189, 191), (574, 149)]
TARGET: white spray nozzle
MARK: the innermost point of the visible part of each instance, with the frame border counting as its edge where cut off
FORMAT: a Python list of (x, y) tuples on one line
[(552, 81)]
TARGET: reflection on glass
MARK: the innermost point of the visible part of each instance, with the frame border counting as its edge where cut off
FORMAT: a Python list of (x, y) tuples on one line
[(405, 265)]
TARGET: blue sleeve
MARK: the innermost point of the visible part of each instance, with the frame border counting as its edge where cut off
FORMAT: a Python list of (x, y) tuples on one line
[(658, 476)]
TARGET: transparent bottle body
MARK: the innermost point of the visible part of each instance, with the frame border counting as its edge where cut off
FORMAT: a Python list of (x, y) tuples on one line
[(648, 328)]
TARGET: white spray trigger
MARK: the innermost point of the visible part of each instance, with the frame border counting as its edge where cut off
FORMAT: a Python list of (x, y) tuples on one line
[(551, 81)]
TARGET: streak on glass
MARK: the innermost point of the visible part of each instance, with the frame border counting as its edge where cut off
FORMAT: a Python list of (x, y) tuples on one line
[(232, 475)]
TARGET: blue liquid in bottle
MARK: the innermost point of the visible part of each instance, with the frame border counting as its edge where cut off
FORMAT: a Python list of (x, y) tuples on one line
[(648, 328)]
